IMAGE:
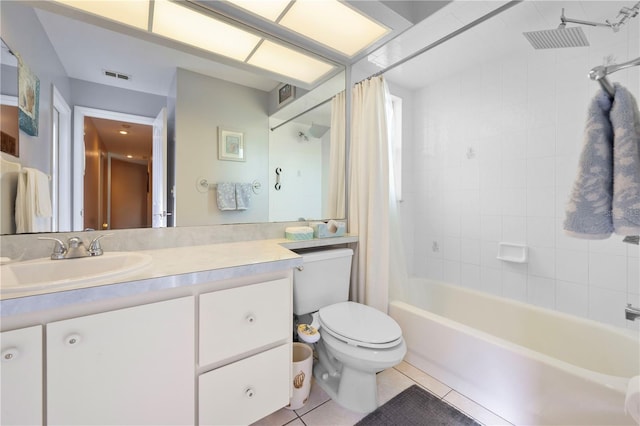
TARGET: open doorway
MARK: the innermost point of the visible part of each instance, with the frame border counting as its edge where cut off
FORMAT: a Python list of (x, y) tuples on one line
[(117, 177), (101, 159)]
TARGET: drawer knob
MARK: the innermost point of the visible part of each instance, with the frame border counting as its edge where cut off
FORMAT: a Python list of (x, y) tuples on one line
[(10, 354), (72, 339), (251, 319), (249, 392)]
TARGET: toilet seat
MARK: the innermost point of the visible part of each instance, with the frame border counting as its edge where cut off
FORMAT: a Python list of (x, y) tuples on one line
[(360, 325)]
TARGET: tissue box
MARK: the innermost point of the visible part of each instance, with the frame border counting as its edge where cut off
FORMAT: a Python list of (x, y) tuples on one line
[(329, 229), (298, 233)]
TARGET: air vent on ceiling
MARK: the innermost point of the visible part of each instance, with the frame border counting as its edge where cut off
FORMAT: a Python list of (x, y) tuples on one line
[(117, 75)]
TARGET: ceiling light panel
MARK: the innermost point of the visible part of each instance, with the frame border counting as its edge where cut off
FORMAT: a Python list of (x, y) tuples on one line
[(134, 13), (268, 9), (333, 24), (283, 60), (203, 31)]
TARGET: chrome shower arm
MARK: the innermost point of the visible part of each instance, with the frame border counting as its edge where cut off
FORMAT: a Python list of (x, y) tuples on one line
[(602, 71), (625, 12), (564, 20)]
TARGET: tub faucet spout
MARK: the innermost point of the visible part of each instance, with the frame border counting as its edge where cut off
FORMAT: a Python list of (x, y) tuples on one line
[(631, 313)]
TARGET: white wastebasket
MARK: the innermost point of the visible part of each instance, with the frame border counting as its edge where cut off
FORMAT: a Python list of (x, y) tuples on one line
[(301, 373)]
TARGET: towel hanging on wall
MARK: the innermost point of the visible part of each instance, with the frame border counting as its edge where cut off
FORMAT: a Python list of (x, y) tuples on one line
[(625, 120), (606, 194), (243, 195), (234, 196), (33, 202), (226, 196)]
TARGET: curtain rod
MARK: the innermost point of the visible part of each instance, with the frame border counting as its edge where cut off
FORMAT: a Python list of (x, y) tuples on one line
[(302, 113), (447, 37)]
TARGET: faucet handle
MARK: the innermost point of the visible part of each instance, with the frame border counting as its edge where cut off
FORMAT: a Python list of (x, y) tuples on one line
[(59, 249), (94, 247), (75, 242)]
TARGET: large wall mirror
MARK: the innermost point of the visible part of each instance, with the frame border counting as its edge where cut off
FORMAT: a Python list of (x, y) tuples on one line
[(173, 104)]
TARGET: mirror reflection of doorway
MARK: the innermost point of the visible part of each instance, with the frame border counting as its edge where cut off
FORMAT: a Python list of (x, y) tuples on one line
[(117, 178)]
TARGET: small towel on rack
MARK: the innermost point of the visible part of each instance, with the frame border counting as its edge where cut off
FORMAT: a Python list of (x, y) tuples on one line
[(33, 202), (625, 120), (226, 196), (588, 212), (243, 195)]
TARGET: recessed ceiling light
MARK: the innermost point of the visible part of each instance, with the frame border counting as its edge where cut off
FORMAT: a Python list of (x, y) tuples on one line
[(329, 22), (190, 24), (333, 24), (197, 29), (134, 13), (283, 60), (269, 9)]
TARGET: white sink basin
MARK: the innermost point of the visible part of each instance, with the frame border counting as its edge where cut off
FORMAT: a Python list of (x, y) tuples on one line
[(45, 273)]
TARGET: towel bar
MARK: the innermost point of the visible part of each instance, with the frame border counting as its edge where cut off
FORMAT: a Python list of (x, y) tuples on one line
[(203, 185), (24, 172)]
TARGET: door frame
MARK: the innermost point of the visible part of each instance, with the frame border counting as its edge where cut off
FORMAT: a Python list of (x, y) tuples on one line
[(79, 114), (61, 159)]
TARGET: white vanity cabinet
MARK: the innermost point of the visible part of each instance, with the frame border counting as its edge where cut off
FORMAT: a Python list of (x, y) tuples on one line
[(21, 377), (245, 352), (127, 366), (202, 337)]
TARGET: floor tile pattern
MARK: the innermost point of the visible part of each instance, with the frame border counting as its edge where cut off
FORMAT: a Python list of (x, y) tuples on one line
[(320, 410)]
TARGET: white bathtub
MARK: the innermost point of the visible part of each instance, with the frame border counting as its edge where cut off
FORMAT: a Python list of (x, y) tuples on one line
[(532, 366)]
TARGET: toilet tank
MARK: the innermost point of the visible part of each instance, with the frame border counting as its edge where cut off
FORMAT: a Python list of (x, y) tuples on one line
[(323, 281)]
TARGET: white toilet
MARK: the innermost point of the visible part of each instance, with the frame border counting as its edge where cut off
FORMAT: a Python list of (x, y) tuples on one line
[(357, 341)]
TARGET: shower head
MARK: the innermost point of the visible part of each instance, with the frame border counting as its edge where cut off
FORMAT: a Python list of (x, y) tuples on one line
[(574, 37), (317, 130), (560, 37)]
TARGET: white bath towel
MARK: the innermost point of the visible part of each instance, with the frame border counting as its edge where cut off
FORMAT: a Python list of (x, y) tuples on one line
[(33, 202), (9, 174), (226, 196), (243, 195), (606, 194)]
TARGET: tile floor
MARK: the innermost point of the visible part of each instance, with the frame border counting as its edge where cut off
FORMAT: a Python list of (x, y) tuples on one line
[(320, 410)]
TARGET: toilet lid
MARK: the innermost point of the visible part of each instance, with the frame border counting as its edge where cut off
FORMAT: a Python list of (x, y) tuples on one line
[(360, 325)]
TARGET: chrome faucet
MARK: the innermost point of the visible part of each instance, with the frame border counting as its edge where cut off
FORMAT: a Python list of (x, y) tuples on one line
[(75, 248), (631, 313)]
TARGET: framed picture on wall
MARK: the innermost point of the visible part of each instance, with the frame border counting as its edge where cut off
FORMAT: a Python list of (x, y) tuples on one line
[(230, 145), (286, 93), (28, 99)]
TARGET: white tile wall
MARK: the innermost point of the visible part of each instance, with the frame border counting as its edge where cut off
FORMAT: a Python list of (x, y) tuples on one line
[(493, 156)]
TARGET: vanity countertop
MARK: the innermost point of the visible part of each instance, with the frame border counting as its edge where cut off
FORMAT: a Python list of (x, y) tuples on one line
[(172, 268)]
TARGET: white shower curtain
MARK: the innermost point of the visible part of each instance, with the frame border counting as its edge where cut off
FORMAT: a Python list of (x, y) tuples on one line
[(370, 192), (337, 154)]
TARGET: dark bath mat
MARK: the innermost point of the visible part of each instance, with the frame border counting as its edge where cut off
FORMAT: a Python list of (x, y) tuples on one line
[(416, 407)]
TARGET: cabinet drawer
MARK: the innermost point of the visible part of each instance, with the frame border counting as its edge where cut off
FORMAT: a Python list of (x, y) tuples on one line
[(241, 319), (247, 390)]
